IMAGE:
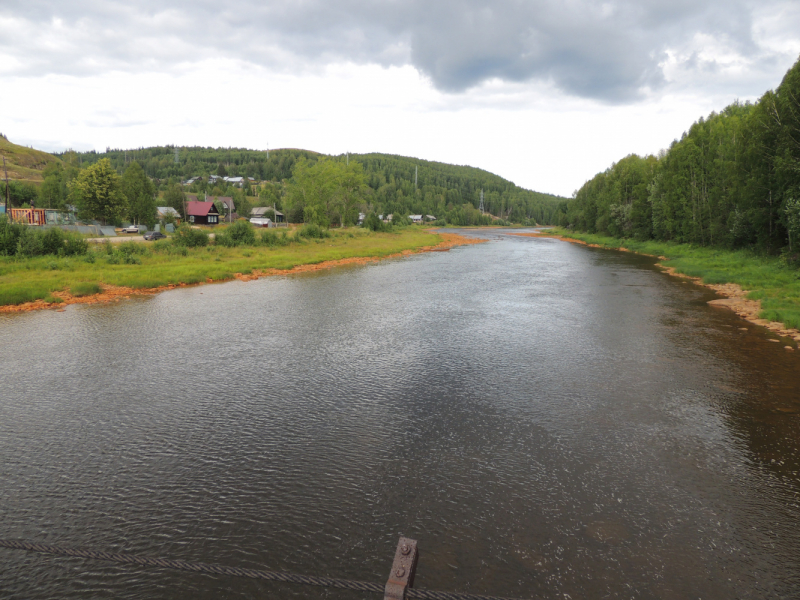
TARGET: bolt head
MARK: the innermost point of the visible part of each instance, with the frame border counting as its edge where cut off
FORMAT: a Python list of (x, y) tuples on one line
[(405, 549), (400, 572)]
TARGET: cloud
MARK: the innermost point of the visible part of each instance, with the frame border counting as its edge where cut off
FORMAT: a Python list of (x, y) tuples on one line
[(615, 51)]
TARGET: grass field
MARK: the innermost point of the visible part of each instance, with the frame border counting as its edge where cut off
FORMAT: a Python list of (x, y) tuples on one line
[(766, 278), (161, 264)]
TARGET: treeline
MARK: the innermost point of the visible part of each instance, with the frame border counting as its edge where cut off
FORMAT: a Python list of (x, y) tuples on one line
[(732, 180), (397, 185)]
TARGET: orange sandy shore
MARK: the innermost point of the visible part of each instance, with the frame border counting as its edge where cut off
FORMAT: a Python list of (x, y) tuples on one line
[(111, 293), (734, 297)]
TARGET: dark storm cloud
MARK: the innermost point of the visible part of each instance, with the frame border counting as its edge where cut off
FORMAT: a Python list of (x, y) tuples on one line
[(604, 50)]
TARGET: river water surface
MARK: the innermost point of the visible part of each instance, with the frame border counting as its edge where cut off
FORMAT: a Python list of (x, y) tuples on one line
[(547, 420)]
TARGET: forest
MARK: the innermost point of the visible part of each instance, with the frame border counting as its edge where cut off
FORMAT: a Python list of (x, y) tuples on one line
[(393, 184), (731, 181)]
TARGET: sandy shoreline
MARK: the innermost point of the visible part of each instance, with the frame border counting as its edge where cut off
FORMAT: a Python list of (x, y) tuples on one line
[(734, 297), (111, 293)]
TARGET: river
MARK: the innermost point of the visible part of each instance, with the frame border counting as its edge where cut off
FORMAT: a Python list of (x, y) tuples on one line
[(547, 420)]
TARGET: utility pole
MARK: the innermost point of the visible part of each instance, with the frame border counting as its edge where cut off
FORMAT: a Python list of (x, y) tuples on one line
[(481, 208), (416, 172), (347, 159)]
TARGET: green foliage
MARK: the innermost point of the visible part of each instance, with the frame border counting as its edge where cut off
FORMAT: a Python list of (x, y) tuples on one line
[(97, 191), (19, 193), (189, 237), (272, 238), (731, 181), (329, 191), (175, 198), (140, 194), (373, 223), (312, 231), (240, 233), (9, 236), (84, 289)]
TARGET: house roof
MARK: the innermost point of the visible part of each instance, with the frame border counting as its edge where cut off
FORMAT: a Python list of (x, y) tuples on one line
[(226, 200), (199, 209), (261, 210), (167, 210)]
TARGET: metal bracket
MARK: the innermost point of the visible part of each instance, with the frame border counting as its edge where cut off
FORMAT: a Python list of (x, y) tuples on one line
[(401, 577)]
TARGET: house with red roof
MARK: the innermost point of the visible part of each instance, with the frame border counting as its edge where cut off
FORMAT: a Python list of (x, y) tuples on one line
[(201, 213)]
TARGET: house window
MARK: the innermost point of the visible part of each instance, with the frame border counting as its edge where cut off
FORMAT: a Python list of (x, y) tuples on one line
[(212, 219), (191, 218)]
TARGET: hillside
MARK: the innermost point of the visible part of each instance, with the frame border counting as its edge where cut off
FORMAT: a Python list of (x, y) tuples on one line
[(23, 163), (400, 184)]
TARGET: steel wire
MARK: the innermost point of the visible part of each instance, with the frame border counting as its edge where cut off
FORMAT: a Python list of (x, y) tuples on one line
[(216, 569)]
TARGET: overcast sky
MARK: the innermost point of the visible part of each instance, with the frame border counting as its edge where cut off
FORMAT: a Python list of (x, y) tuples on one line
[(543, 92)]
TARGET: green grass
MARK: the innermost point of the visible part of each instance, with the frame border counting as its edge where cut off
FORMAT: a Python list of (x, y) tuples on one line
[(26, 280), (766, 278), (84, 289)]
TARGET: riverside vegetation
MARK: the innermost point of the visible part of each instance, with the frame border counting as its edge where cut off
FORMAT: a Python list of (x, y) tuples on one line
[(766, 278), (75, 268), (722, 203)]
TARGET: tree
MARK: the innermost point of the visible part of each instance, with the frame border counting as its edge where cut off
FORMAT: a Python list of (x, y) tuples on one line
[(329, 191), (53, 192), (97, 191), (140, 193), (175, 198)]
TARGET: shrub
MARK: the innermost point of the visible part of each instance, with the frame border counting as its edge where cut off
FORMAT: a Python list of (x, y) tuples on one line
[(241, 233), (373, 223), (189, 238), (75, 245), (53, 241), (29, 243), (9, 236), (313, 231), (271, 238)]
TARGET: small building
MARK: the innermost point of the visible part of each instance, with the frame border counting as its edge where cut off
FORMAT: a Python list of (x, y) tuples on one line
[(430, 218), (260, 211), (237, 181), (415, 218), (163, 211), (201, 213), (261, 222)]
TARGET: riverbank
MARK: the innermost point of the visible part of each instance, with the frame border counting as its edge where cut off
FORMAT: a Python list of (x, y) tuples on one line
[(49, 282), (760, 289)]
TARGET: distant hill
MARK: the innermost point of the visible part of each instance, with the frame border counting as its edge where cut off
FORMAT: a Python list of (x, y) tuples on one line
[(23, 163), (401, 184)]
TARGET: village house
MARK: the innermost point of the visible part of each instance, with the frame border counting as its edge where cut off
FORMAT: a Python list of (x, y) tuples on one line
[(201, 213)]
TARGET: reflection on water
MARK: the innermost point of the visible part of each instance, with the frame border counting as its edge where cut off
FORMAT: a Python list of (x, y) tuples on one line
[(546, 419)]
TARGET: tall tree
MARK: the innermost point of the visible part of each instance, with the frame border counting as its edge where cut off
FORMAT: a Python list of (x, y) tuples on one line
[(97, 191), (140, 193)]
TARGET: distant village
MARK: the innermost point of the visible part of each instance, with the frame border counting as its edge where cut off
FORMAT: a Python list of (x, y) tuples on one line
[(199, 210)]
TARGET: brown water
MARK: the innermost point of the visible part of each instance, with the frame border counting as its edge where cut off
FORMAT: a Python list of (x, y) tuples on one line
[(548, 420)]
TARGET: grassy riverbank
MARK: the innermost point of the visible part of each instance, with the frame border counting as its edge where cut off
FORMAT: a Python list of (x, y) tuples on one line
[(148, 266), (766, 278)]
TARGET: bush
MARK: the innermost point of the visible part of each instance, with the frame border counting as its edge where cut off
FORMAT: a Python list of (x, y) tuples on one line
[(29, 243), (53, 241), (9, 236), (271, 238), (373, 223), (313, 231), (189, 238), (75, 245), (241, 233)]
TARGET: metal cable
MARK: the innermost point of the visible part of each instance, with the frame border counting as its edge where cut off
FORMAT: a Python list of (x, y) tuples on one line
[(182, 565)]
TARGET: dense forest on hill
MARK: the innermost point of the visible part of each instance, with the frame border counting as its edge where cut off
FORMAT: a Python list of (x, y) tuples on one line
[(449, 192), (732, 180)]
